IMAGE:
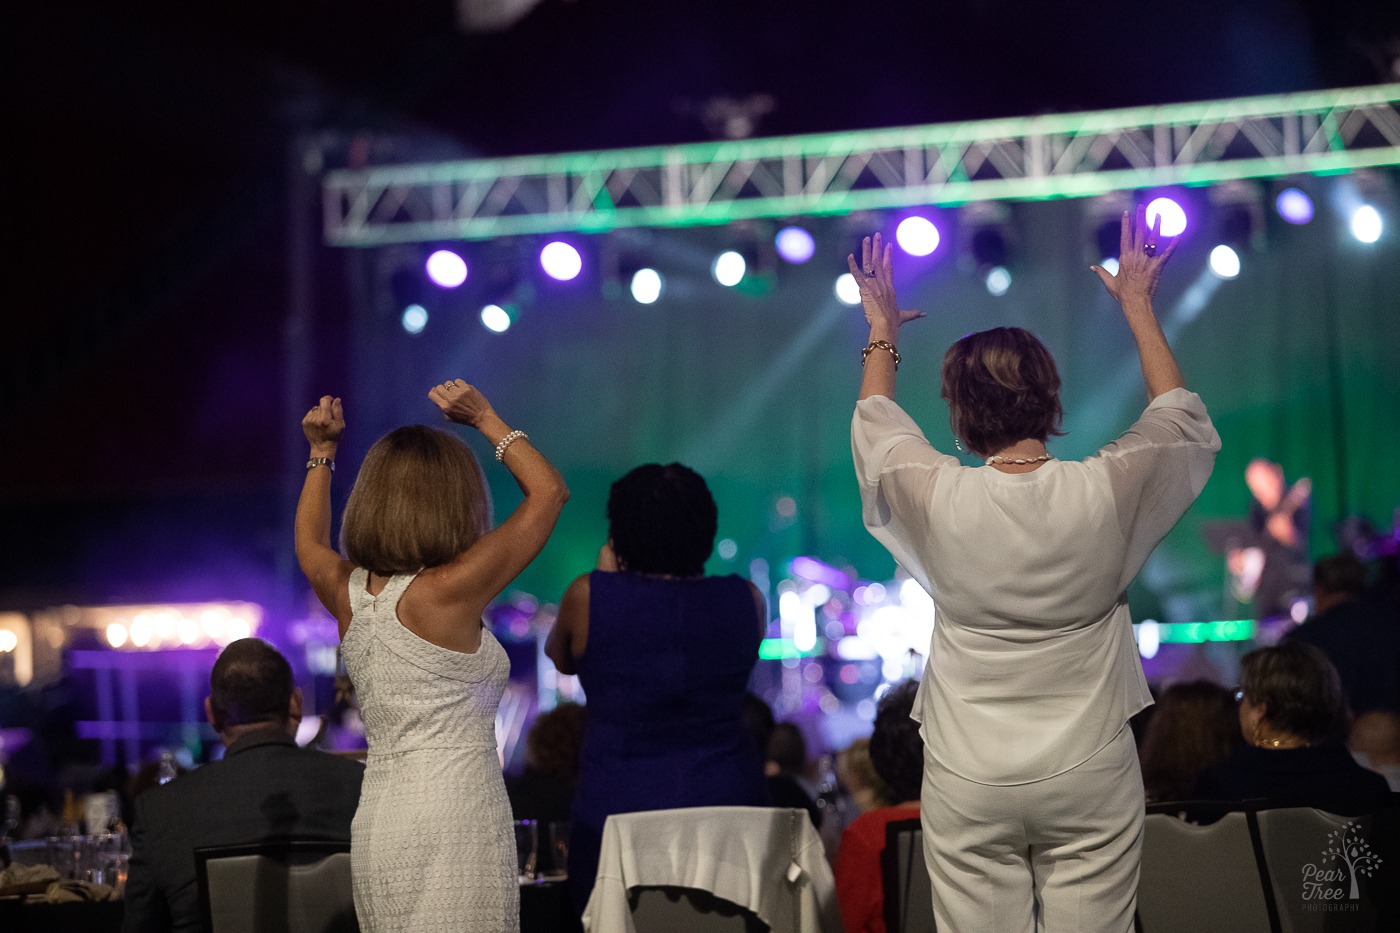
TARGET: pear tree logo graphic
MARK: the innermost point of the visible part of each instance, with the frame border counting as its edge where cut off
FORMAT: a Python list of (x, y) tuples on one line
[(1345, 847)]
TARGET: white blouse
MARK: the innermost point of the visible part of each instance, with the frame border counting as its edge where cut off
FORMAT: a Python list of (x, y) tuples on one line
[(1032, 666)]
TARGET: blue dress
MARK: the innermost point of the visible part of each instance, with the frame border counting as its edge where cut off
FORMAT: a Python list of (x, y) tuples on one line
[(665, 671)]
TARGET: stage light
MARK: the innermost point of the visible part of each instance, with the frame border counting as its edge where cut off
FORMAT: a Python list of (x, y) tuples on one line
[(1173, 218), (415, 318), (1224, 262), (1109, 264), (998, 280), (728, 268), (495, 319), (727, 549), (116, 634), (1366, 224), (917, 236), (795, 244), (446, 268), (9, 641), (1294, 206), (646, 286), (847, 290), (560, 261)]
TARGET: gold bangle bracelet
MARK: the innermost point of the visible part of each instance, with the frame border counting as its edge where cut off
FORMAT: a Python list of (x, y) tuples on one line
[(879, 345)]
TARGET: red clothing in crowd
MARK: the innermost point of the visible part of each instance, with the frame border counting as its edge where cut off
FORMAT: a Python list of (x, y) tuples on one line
[(859, 886)]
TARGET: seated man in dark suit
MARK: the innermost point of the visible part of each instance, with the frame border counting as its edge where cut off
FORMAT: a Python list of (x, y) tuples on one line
[(266, 787)]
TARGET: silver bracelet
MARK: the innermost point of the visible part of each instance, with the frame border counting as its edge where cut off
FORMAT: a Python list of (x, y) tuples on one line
[(506, 441)]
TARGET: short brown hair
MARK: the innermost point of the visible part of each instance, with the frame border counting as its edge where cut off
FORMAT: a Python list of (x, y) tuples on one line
[(420, 500), (1299, 689), (1002, 386)]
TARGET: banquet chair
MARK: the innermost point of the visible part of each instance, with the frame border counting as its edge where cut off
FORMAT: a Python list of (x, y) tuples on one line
[(1315, 885), (286, 886), (908, 893), (1200, 878), (712, 869)]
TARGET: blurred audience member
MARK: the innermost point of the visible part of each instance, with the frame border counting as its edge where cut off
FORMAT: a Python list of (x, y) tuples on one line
[(1293, 715), (788, 771), (897, 754), (264, 788), (867, 790), (1196, 725), (1375, 743), (545, 789), (1359, 633)]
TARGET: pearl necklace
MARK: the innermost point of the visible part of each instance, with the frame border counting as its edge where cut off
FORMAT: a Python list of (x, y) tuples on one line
[(1042, 458)]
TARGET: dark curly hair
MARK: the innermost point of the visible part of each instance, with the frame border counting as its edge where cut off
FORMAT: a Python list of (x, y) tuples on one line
[(1002, 386), (662, 519), (555, 741), (896, 749)]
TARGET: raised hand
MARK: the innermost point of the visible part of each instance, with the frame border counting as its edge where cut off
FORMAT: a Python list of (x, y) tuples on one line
[(323, 426), (1142, 252), (875, 276), (460, 402)]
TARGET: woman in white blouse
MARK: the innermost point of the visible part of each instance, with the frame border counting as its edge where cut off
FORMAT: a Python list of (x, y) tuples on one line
[(1032, 800)]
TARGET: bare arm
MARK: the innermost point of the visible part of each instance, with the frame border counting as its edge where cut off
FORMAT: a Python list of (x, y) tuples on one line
[(569, 637), (875, 276), (479, 574), (327, 573), (1140, 264)]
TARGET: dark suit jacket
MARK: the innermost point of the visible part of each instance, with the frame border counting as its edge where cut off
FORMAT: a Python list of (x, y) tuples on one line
[(1362, 639), (264, 788)]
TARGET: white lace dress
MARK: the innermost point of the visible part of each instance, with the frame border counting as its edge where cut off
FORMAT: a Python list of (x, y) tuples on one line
[(432, 844)]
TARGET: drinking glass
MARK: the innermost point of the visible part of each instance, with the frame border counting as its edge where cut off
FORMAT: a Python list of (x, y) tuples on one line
[(527, 849)]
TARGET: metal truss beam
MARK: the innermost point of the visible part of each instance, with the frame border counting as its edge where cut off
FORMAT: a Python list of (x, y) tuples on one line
[(1066, 155)]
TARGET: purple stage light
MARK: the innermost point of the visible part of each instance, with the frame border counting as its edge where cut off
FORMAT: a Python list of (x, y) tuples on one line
[(446, 268), (1173, 217), (795, 244), (1294, 206), (917, 236), (560, 261), (809, 568)]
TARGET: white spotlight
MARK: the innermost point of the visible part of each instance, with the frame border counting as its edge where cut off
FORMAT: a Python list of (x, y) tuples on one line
[(1366, 224), (729, 268), (998, 280), (495, 319), (415, 318), (1109, 264), (646, 286), (847, 291), (1224, 262)]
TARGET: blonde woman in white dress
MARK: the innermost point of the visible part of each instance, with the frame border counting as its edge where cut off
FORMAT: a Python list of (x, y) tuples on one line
[(432, 844)]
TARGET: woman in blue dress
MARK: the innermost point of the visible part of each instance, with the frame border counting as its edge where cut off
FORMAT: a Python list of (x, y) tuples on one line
[(664, 655)]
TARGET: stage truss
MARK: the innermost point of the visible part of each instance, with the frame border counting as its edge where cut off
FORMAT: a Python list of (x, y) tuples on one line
[(1067, 155)]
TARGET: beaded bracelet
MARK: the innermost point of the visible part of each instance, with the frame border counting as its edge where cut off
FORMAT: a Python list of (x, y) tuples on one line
[(506, 441), (879, 345)]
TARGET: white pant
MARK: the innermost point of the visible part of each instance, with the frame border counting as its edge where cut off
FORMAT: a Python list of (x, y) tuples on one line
[(1054, 856)]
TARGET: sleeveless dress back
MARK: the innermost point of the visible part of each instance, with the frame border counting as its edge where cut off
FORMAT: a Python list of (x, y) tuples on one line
[(664, 672), (432, 843)]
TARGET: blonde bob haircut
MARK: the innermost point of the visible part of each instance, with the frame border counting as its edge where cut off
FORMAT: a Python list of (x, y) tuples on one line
[(420, 500), (1002, 387)]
